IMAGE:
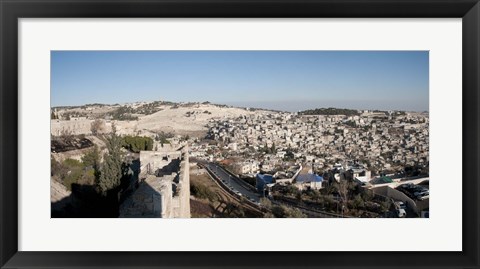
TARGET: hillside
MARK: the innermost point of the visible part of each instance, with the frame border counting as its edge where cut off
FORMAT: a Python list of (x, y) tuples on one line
[(182, 119)]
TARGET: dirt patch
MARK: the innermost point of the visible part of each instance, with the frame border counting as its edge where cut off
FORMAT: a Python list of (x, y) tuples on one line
[(200, 209), (224, 205)]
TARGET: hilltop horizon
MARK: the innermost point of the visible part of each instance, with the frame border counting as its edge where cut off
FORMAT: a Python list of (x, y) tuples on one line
[(231, 105)]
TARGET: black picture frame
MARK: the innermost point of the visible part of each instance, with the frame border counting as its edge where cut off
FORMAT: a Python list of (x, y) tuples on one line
[(11, 11)]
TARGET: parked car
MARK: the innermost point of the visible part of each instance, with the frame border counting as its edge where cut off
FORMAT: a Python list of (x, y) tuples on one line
[(425, 196), (421, 193), (401, 213), (400, 205)]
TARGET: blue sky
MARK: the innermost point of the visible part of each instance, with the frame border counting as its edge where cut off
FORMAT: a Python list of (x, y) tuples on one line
[(284, 80)]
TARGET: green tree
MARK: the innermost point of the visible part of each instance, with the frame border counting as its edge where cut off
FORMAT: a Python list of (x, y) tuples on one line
[(111, 172), (357, 202), (148, 143), (91, 160), (162, 138), (266, 149), (273, 149), (137, 143), (185, 138)]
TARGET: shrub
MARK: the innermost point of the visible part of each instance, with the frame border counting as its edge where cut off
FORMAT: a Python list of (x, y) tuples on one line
[(282, 211), (72, 177), (72, 163), (73, 172), (97, 127), (234, 211), (357, 203), (202, 192), (137, 143), (56, 168), (292, 191)]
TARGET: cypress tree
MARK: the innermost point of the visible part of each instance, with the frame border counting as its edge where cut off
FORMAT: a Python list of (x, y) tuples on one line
[(111, 173)]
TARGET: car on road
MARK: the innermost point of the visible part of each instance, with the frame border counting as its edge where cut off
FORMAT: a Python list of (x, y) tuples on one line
[(401, 213), (400, 205), (422, 195), (407, 186)]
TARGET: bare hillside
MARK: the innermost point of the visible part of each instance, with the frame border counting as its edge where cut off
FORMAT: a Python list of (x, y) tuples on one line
[(179, 119)]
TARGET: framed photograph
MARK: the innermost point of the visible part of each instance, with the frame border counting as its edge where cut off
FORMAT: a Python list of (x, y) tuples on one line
[(253, 134)]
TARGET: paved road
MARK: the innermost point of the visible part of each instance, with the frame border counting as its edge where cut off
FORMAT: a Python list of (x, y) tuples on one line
[(235, 183), (239, 185)]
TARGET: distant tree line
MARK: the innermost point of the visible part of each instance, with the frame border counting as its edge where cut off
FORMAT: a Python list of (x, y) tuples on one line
[(93, 104), (330, 111), (123, 113), (149, 108)]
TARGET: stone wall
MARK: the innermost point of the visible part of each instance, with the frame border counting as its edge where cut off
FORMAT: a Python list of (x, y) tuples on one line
[(183, 210), (152, 199), (396, 195), (151, 161), (161, 195)]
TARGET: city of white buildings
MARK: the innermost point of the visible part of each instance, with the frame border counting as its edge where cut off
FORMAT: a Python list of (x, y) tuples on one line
[(370, 143)]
